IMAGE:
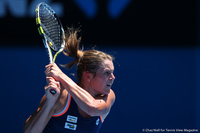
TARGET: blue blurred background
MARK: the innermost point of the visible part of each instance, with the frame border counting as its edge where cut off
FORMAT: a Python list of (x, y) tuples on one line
[(157, 67)]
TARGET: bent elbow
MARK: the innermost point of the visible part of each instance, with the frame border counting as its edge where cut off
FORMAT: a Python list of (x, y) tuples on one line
[(25, 128), (96, 110), (92, 111), (28, 129), (31, 131)]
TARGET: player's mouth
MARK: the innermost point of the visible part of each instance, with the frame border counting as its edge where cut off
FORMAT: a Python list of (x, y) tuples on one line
[(109, 85)]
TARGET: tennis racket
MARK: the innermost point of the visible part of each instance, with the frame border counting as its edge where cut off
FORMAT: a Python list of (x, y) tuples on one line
[(51, 30)]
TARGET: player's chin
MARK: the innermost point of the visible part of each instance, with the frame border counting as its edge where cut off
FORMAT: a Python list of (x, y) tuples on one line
[(107, 90)]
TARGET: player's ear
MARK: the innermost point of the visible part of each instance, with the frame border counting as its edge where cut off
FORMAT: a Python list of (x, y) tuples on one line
[(87, 76)]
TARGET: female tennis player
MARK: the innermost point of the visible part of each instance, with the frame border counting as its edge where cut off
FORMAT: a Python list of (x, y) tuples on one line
[(76, 107)]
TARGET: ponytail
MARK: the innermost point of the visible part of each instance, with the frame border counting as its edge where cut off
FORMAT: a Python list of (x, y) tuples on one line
[(72, 47), (89, 60)]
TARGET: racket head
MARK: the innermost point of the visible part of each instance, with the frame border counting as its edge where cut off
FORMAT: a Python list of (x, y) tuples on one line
[(50, 27)]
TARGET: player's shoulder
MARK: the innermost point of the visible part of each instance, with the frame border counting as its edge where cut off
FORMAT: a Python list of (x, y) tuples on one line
[(111, 97), (112, 94)]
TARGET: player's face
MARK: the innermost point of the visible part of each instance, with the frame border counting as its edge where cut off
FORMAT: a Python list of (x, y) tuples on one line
[(104, 78)]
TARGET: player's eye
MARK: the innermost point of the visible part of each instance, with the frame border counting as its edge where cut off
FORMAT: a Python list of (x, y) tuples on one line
[(107, 73)]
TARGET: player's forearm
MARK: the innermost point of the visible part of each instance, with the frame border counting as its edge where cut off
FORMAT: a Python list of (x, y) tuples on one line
[(39, 120)]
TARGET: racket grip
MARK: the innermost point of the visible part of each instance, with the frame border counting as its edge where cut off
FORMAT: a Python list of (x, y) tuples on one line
[(52, 91)]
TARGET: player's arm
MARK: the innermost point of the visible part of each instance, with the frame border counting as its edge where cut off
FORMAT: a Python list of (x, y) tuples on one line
[(39, 119), (92, 106), (99, 106)]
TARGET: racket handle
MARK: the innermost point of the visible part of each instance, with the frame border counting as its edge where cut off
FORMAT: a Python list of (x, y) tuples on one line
[(52, 91)]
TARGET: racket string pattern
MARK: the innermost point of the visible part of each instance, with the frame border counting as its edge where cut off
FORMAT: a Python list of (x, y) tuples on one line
[(51, 27)]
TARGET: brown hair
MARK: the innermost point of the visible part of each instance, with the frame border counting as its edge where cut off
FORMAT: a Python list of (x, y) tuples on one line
[(89, 60)]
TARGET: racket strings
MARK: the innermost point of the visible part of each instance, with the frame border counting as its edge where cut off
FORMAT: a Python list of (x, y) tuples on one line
[(51, 27)]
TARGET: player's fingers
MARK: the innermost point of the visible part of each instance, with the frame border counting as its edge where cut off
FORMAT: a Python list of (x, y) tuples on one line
[(47, 70), (50, 79), (57, 84), (50, 65)]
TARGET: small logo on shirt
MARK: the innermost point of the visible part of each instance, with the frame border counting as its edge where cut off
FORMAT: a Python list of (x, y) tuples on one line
[(72, 119), (70, 126), (97, 122)]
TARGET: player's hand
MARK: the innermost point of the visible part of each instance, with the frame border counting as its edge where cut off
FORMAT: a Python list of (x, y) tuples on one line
[(52, 70), (55, 85)]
